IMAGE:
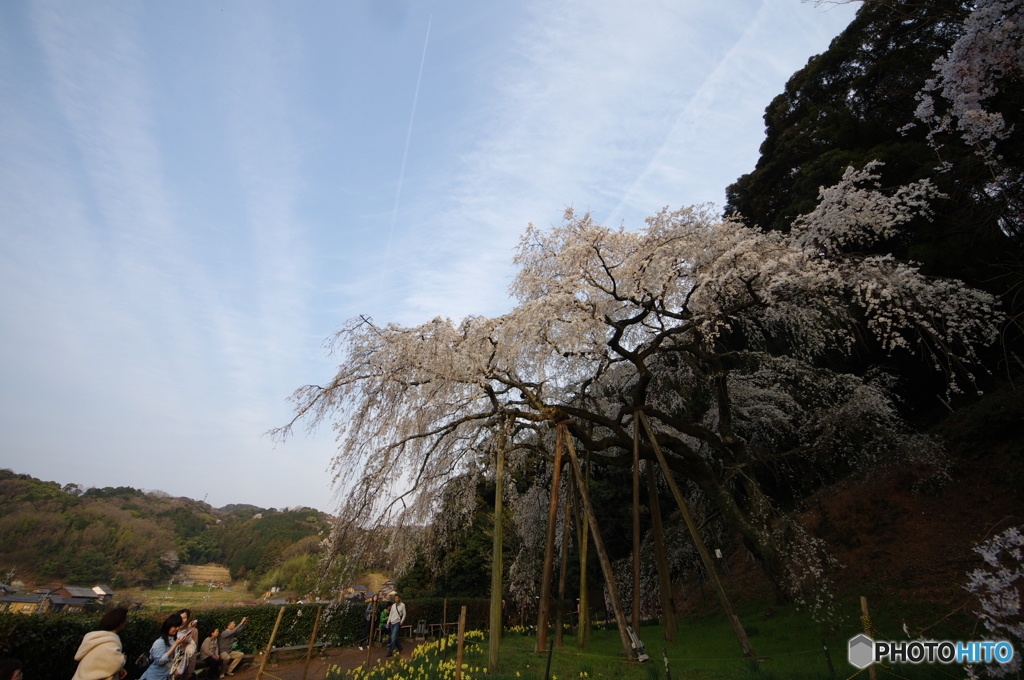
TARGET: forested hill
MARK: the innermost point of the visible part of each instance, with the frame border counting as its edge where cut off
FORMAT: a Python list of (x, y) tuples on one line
[(125, 536)]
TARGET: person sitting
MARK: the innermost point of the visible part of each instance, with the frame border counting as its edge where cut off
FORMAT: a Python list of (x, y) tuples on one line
[(230, 659), (184, 664), (209, 653), (162, 651)]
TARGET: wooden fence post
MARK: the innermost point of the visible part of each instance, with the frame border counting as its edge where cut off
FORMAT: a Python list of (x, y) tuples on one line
[(869, 631), (462, 640)]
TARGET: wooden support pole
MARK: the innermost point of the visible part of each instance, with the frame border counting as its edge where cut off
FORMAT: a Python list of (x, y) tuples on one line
[(709, 565), (312, 641), (586, 551), (560, 614), (668, 603), (602, 554), (270, 644), (869, 631), (461, 644), (636, 529), (494, 634), (581, 632), (544, 610)]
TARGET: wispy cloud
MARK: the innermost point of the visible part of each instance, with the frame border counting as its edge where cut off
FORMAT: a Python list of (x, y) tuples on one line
[(171, 262), (162, 350), (611, 107)]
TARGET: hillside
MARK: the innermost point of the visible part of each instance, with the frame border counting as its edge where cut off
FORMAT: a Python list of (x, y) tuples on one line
[(899, 540), (129, 537)]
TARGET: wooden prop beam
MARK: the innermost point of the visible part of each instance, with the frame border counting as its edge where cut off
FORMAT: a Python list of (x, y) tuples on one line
[(494, 635), (709, 565), (312, 641), (544, 610), (270, 644), (636, 530), (668, 602), (602, 554)]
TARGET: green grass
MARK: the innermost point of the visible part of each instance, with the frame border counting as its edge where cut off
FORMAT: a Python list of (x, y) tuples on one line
[(787, 642), (192, 597)]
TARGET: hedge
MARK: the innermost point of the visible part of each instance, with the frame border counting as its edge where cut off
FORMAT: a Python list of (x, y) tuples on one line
[(46, 643)]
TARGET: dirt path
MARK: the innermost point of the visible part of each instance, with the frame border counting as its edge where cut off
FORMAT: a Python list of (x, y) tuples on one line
[(346, 658)]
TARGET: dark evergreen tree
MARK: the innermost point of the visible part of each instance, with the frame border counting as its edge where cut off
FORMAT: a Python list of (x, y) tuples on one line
[(852, 105)]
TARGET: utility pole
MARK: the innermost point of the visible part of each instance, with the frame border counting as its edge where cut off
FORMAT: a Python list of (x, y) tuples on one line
[(164, 597)]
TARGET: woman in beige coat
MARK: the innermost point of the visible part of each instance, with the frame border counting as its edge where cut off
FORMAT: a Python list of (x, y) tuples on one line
[(99, 657)]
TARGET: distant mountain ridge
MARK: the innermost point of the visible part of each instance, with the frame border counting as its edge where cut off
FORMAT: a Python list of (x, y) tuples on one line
[(129, 537)]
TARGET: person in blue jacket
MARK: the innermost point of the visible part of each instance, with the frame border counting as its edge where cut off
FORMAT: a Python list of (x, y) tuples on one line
[(162, 651)]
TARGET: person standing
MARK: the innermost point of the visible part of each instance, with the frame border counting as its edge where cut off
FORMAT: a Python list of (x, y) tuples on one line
[(395, 621), (382, 619), (371, 614), (230, 659), (99, 656)]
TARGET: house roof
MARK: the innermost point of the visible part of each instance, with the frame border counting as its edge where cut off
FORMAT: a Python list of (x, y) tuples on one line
[(104, 589), (80, 591), (23, 598)]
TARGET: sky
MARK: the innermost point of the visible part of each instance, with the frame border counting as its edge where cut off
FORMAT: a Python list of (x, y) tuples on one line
[(195, 195)]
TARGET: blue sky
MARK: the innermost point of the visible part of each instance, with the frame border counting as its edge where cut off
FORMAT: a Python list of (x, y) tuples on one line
[(194, 195)]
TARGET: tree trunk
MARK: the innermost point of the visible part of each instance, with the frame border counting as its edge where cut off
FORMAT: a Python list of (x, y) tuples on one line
[(709, 565), (544, 610), (668, 603), (752, 523), (602, 554)]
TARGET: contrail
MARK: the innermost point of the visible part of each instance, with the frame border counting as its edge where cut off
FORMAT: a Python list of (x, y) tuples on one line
[(405, 156)]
